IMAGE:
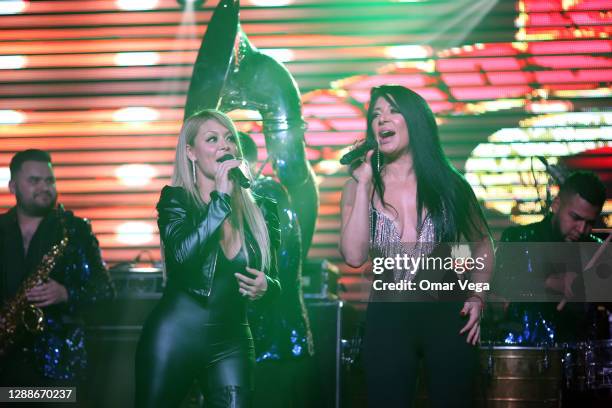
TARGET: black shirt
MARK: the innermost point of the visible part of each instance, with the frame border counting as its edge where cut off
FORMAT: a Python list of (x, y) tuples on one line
[(15, 264)]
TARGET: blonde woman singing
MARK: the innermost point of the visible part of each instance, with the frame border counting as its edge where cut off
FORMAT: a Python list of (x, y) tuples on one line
[(219, 246)]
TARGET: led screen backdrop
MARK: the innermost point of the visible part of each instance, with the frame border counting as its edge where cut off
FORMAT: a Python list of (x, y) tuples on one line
[(101, 85)]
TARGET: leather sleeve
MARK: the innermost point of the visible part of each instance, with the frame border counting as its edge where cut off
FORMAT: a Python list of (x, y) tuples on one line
[(183, 239), (270, 213)]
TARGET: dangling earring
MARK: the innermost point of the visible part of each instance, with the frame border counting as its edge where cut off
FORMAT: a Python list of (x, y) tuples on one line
[(193, 172), (378, 159)]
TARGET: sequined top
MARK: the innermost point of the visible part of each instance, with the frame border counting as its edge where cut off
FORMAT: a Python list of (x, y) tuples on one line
[(520, 271), (59, 351), (282, 330), (385, 241)]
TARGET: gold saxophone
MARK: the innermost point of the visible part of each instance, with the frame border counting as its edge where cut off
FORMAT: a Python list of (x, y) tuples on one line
[(18, 316)]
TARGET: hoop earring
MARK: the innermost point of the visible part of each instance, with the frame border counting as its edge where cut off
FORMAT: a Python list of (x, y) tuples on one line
[(193, 171)]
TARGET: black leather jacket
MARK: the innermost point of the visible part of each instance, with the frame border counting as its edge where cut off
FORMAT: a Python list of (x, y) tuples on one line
[(190, 238)]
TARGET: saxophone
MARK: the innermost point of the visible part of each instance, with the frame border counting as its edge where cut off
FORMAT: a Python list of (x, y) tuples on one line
[(19, 317)]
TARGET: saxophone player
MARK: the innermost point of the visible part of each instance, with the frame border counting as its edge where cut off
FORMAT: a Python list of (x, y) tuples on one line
[(53, 355)]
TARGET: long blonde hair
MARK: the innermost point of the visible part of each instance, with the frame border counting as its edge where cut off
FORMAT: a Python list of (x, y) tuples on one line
[(243, 204)]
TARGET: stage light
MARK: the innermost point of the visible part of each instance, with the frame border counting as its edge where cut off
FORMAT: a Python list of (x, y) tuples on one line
[(270, 3), (244, 115), (136, 114), (279, 54), (549, 106), (583, 93), (132, 5), (134, 233), (11, 117), (525, 219), (493, 106), (328, 167), (135, 175), (191, 4), (136, 58), (12, 6), (5, 177), (12, 61), (408, 52)]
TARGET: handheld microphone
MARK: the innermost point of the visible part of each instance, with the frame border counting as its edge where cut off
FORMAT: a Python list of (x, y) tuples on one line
[(360, 151), (235, 173)]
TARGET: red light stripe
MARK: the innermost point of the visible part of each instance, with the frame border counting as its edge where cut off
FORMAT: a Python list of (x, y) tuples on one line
[(570, 47), (96, 200), (569, 18), (477, 64), (489, 92), (581, 75), (570, 61), (105, 157), (567, 33), (104, 115), (548, 5), (120, 213), (80, 102), (95, 129), (463, 79)]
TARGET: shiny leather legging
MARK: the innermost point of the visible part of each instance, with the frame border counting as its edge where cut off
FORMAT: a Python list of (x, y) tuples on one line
[(179, 345)]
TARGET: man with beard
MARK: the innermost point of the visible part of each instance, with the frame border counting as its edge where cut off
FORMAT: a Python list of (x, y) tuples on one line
[(549, 274), (28, 231)]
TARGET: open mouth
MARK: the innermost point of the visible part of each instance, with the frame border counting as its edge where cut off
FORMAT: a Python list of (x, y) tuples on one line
[(385, 134), (225, 157)]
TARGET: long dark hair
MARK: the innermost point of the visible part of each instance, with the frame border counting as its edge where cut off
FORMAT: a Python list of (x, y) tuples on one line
[(441, 189)]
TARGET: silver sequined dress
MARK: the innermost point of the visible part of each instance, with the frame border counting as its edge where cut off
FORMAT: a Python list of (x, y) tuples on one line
[(385, 241)]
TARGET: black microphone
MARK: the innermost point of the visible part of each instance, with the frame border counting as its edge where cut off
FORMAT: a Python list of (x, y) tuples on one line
[(359, 151), (235, 173)]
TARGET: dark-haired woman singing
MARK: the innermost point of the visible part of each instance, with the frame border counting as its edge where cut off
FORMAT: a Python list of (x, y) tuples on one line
[(405, 198)]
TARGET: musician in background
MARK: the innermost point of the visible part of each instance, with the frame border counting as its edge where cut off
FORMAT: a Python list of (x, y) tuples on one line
[(549, 272), (57, 355), (283, 340)]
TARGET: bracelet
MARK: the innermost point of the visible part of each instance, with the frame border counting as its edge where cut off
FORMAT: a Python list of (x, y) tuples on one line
[(480, 298)]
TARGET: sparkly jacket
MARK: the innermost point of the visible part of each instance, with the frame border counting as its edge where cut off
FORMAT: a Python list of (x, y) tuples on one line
[(282, 330), (59, 352), (521, 270)]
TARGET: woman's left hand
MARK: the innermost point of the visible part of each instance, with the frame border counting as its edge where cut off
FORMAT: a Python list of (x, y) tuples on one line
[(254, 288), (472, 308)]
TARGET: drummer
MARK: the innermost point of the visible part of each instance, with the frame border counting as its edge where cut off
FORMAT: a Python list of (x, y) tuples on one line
[(546, 272)]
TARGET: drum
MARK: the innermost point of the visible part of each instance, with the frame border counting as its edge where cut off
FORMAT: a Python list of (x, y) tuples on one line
[(519, 377), (587, 371), (588, 365)]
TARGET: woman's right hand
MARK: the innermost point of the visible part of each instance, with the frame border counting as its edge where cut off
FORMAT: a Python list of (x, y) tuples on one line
[(223, 182), (361, 169)]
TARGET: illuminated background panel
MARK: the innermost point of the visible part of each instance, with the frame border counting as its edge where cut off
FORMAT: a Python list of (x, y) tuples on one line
[(101, 85)]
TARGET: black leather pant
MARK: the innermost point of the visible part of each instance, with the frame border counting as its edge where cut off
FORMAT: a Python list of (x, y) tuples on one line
[(179, 345)]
